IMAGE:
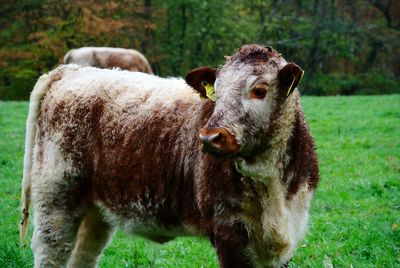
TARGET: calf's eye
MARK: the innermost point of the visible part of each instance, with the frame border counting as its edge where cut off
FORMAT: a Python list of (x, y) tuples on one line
[(258, 93)]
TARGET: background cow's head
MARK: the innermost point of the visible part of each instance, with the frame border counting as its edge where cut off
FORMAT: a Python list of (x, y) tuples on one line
[(250, 88)]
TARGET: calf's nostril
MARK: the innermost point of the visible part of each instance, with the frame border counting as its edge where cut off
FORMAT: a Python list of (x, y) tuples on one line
[(208, 138), (217, 139)]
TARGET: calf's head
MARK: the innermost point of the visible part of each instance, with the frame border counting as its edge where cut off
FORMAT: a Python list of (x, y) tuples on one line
[(249, 90)]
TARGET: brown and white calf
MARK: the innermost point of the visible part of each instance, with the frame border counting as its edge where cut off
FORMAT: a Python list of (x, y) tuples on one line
[(109, 57), (108, 149)]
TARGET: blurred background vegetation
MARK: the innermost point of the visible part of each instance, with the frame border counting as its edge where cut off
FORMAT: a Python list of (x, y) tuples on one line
[(345, 46)]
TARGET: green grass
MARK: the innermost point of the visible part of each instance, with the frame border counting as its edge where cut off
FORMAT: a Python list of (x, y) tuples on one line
[(355, 215)]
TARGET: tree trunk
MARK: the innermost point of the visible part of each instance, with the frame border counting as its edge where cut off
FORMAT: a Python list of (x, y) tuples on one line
[(314, 55), (384, 7), (148, 46)]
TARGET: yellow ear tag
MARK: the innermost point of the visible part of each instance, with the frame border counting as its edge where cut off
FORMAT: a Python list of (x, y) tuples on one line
[(301, 77), (291, 85), (210, 92)]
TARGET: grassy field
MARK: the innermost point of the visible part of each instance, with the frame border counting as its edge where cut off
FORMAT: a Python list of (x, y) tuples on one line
[(355, 215)]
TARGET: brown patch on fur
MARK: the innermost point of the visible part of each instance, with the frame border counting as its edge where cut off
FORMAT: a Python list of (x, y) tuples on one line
[(115, 60), (42, 122), (127, 62), (303, 161), (83, 125), (254, 54)]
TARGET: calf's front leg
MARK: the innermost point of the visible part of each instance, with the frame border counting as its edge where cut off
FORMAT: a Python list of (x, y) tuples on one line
[(230, 243)]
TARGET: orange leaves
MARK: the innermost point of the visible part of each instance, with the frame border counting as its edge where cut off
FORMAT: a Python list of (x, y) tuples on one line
[(8, 56), (96, 25)]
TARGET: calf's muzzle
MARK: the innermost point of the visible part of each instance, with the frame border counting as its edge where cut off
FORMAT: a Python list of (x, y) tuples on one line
[(218, 141)]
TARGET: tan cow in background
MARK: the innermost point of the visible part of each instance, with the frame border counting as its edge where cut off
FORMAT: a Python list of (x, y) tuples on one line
[(109, 57)]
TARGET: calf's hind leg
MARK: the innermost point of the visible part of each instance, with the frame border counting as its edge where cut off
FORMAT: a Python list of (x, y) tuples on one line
[(56, 223), (59, 195), (93, 235)]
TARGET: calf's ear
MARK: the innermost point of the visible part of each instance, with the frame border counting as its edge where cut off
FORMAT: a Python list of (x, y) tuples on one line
[(289, 77), (201, 79)]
